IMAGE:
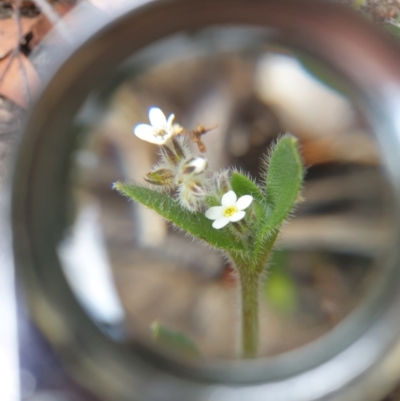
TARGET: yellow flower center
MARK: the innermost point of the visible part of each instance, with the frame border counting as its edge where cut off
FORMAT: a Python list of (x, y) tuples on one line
[(161, 132), (229, 211)]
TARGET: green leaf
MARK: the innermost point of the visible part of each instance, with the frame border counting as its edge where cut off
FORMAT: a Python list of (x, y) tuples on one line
[(263, 243), (283, 180), (242, 185), (194, 223), (172, 339)]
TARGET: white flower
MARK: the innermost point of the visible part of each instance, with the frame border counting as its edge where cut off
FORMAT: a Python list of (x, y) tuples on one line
[(232, 209), (160, 129)]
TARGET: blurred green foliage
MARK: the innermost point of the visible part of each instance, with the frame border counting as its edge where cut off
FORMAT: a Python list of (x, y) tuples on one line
[(279, 288), (173, 340)]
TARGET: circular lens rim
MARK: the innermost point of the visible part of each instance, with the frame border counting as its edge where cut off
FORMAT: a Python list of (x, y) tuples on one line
[(309, 26)]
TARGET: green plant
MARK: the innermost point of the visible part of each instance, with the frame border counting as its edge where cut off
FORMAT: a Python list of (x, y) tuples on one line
[(247, 216)]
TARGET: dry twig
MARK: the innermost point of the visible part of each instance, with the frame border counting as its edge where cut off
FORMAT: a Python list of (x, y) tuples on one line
[(22, 71), (55, 19)]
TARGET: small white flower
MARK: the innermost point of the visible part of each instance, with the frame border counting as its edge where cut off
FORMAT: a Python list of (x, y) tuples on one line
[(232, 209), (160, 129)]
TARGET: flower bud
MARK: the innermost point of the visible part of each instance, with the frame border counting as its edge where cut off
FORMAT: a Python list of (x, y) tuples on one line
[(162, 176), (195, 166), (191, 193), (197, 188), (178, 149), (169, 156)]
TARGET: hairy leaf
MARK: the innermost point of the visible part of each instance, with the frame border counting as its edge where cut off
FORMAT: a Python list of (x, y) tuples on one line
[(194, 223), (283, 180), (242, 185)]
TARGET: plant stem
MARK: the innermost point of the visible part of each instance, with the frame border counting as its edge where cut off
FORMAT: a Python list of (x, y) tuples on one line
[(249, 288), (250, 277)]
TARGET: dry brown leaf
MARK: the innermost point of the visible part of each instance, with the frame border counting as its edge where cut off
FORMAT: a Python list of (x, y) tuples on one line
[(11, 86), (43, 25), (9, 33)]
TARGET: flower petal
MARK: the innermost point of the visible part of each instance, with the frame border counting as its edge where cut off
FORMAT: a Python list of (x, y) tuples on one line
[(157, 118), (170, 121), (237, 216), (221, 222), (147, 133), (228, 199), (244, 201), (214, 212)]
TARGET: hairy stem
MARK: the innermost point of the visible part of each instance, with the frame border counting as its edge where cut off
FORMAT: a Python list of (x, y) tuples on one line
[(250, 277), (249, 288)]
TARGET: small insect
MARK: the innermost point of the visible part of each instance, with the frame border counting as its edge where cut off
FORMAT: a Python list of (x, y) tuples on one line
[(195, 136)]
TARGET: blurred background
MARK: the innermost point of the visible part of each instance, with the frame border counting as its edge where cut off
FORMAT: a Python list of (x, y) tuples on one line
[(127, 267)]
